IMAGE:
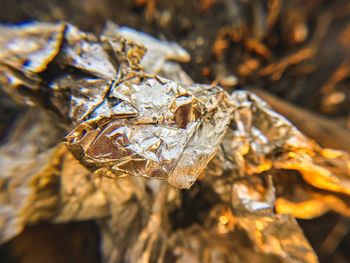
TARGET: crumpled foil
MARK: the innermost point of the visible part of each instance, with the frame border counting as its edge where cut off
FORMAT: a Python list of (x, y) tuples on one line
[(155, 128), (157, 52), (130, 133)]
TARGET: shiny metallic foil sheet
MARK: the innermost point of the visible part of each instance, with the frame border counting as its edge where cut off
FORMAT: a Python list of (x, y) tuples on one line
[(138, 130)]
